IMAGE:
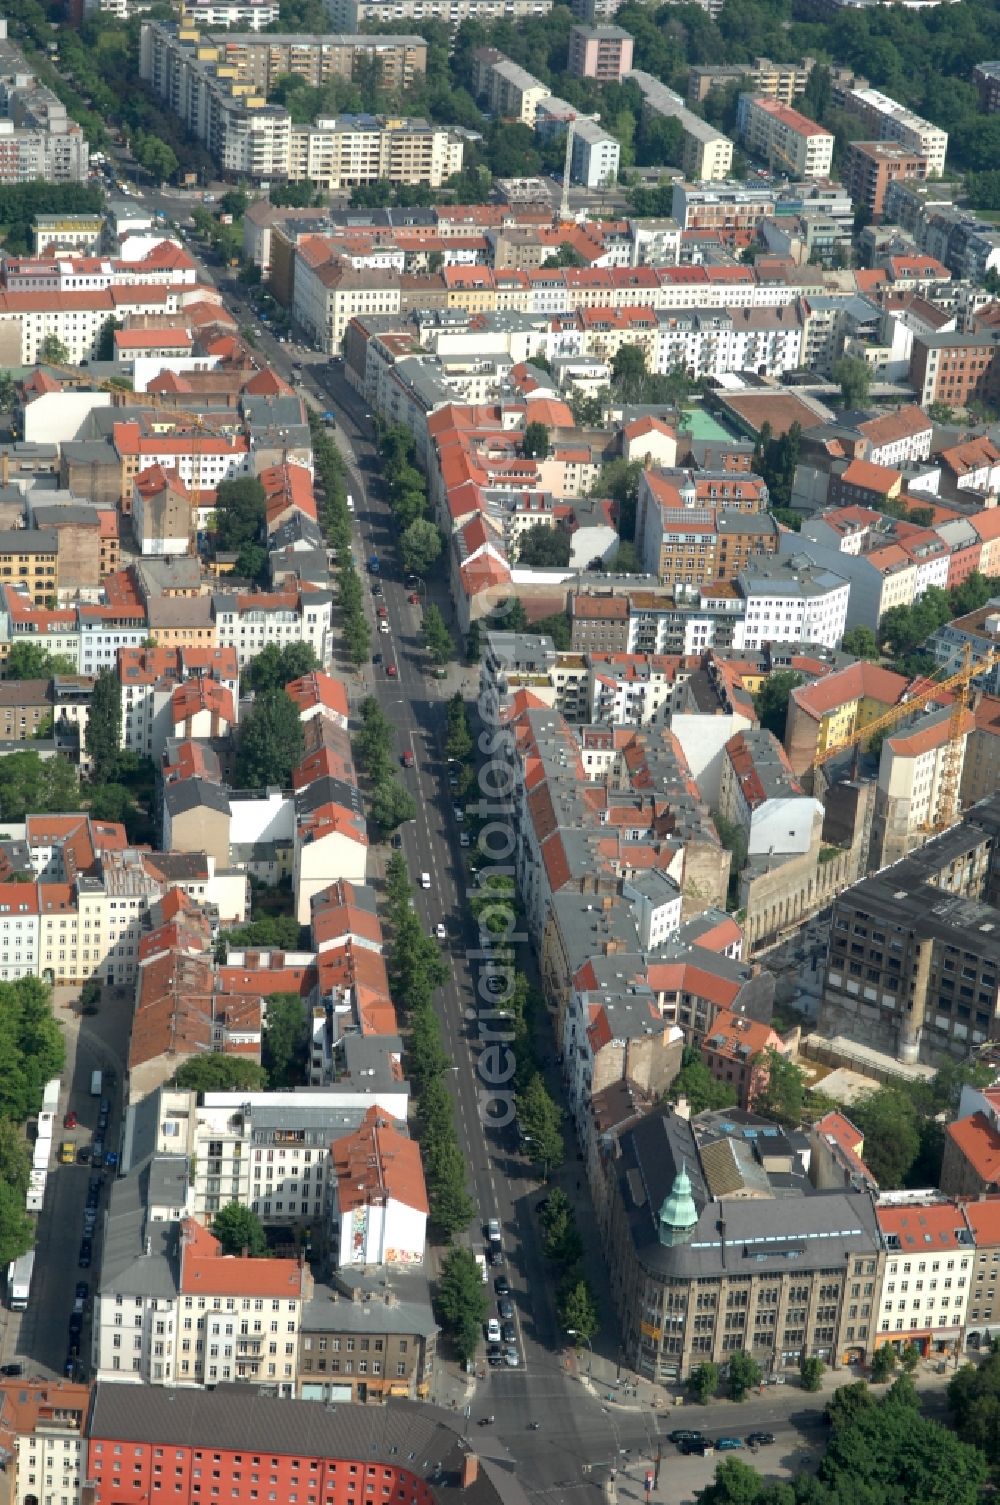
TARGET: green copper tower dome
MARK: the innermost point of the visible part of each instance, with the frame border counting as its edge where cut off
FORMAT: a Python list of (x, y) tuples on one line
[(678, 1215)]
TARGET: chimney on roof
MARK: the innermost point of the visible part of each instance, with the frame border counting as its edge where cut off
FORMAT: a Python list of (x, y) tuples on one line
[(470, 1470)]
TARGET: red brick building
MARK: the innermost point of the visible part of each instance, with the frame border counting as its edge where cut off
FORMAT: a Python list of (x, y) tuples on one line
[(870, 166), (147, 1446)]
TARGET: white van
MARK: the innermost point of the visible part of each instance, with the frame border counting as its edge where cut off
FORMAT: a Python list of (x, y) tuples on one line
[(350, 502), (425, 880)]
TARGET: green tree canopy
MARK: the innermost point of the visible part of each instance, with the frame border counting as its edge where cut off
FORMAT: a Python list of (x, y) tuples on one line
[(783, 1094), (703, 1382), (238, 1228), (854, 378), (744, 1374), (271, 742), (578, 1312), (421, 545), (695, 1082), (392, 804), (436, 636), (463, 1301), (540, 1117), (218, 1073), (542, 547), (280, 931), (536, 441), (28, 660), (32, 785), (771, 700), (240, 506), (862, 642), (275, 667), (286, 1033), (104, 727), (888, 1120)]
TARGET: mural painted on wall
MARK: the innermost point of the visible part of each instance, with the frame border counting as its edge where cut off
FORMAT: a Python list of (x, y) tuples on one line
[(359, 1232)]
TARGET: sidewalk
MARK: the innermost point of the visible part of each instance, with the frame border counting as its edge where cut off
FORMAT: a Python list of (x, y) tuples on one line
[(628, 1393)]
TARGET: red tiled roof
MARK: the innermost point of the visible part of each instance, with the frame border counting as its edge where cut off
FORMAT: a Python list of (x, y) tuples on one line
[(378, 1164), (205, 1270), (979, 1142)]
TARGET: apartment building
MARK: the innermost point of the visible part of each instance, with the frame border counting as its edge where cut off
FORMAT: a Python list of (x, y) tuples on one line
[(827, 712), (201, 1318), (707, 154), (928, 1273), (870, 166), (783, 137), (685, 542), (256, 15), (986, 77), (920, 774), (150, 676), (509, 90), (368, 1338), (781, 81), (351, 15), (914, 952), (790, 599), (340, 152), (76, 319), (970, 1167), (329, 293), (261, 58), (38, 140), (760, 794), (601, 52), (701, 1265), (29, 559), (596, 155), (890, 121), (249, 621), (951, 368), (44, 1428), (26, 708)]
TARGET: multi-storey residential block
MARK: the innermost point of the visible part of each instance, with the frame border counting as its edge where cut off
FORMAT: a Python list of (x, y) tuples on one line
[(509, 90), (927, 1276), (44, 1426), (893, 122), (685, 540), (920, 773), (260, 58), (783, 137), (827, 712), (326, 1445), (601, 52), (707, 153), (27, 707), (351, 15), (194, 1316), (951, 368), (596, 155), (255, 14), (374, 1337), (760, 794), (789, 599), (986, 77), (247, 622), (970, 1166), (781, 81), (38, 140), (870, 166), (914, 955)]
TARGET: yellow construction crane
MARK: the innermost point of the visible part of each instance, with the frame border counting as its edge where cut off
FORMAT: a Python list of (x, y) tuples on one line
[(957, 684)]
